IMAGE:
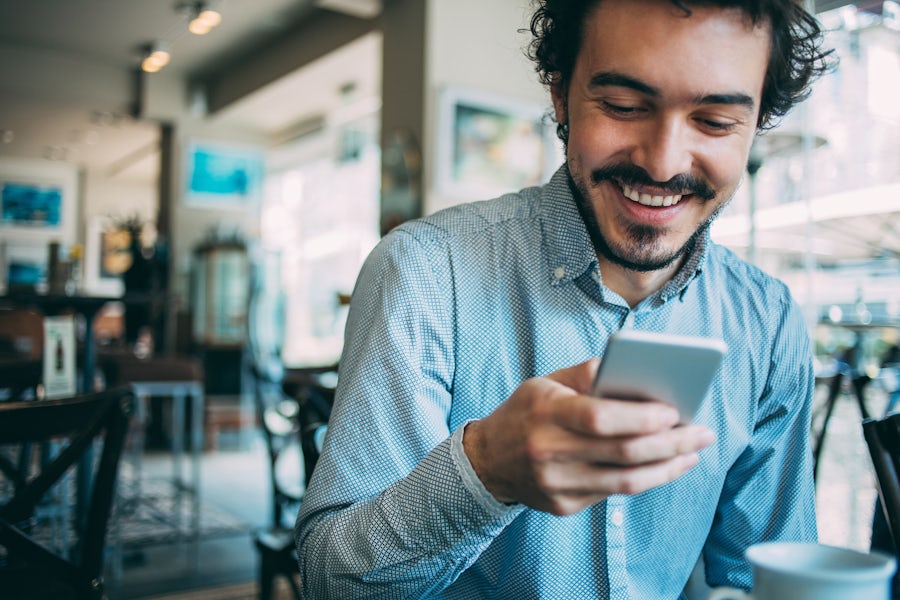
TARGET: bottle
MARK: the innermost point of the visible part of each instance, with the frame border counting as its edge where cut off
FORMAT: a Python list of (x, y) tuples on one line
[(60, 363)]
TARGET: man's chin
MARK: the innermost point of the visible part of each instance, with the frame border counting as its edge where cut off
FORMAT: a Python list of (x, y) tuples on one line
[(642, 264)]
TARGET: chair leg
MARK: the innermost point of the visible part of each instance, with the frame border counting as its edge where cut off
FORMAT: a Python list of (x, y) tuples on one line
[(266, 577), (295, 588)]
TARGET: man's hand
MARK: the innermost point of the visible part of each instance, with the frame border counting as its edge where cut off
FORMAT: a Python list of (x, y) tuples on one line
[(555, 448)]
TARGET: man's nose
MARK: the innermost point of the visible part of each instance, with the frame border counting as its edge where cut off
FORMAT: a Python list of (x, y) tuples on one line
[(664, 149)]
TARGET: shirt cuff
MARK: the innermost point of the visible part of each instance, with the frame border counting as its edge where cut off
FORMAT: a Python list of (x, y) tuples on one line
[(473, 484)]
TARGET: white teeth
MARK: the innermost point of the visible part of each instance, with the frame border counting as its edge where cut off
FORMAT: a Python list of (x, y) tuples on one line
[(648, 200)]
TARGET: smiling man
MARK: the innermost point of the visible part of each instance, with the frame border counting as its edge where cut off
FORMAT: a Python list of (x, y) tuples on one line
[(465, 457)]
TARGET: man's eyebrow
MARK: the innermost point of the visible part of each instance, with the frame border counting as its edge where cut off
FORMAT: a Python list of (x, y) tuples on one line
[(611, 78)]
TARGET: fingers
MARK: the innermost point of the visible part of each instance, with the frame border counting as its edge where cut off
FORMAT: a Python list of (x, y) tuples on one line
[(637, 450), (581, 479), (560, 446), (605, 417), (572, 406), (571, 488)]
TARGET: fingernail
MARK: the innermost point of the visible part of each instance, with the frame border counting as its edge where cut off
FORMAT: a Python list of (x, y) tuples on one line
[(706, 437), (670, 416), (690, 461)]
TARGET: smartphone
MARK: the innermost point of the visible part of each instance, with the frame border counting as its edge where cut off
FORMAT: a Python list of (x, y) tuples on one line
[(645, 365)]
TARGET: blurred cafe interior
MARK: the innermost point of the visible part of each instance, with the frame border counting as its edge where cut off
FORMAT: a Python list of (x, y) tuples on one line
[(189, 189)]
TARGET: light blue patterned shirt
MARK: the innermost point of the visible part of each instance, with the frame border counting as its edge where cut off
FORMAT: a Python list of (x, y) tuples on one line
[(449, 315)]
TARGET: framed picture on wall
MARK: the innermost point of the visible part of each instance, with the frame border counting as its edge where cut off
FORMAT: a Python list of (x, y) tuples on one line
[(38, 202), (488, 145), (106, 256), (218, 175)]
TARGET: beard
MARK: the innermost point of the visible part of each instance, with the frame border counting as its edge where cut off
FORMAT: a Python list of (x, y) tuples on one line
[(642, 249)]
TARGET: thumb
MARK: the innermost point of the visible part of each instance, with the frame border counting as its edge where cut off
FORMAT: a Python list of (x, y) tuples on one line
[(579, 377)]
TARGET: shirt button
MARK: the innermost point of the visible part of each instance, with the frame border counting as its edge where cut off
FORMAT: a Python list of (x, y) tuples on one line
[(617, 518), (559, 272)]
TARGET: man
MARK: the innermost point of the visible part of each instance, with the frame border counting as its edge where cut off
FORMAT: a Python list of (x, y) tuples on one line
[(464, 457)]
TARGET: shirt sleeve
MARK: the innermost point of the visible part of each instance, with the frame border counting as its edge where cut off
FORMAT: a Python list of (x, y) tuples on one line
[(769, 493), (394, 508)]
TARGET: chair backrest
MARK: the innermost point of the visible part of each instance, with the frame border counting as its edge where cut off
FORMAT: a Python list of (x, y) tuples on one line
[(277, 417), (292, 406), (314, 401), (22, 332), (882, 437), (21, 352), (293, 418), (71, 429)]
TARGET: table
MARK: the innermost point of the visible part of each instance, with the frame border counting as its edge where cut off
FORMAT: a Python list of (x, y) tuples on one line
[(54, 304)]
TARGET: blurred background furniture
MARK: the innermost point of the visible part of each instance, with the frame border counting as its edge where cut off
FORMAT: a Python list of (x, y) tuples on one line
[(845, 377), (277, 415), (32, 565), (84, 306), (175, 384), (882, 437), (292, 408), (293, 427), (21, 352)]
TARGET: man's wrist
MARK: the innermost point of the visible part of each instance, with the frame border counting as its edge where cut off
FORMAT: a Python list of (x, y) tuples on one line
[(473, 443)]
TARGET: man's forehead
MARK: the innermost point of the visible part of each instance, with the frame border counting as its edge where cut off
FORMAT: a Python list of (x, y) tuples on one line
[(653, 40)]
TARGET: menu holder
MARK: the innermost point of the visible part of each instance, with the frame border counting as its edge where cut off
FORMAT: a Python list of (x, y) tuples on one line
[(59, 356)]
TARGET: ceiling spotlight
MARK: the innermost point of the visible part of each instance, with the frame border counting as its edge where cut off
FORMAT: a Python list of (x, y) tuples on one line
[(155, 58), (203, 18)]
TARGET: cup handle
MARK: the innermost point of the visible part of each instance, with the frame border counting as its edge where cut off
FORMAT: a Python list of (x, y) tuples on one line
[(729, 593)]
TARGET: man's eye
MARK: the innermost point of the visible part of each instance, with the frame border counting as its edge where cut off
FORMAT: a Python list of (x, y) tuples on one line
[(619, 109), (718, 125)]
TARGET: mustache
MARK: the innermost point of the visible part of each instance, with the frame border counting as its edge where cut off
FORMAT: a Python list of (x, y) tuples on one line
[(633, 175)]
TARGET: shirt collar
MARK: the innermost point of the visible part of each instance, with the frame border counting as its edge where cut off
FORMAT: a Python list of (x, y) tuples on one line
[(567, 244), (571, 253)]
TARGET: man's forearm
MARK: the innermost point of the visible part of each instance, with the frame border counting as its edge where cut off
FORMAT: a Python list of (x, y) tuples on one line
[(415, 536)]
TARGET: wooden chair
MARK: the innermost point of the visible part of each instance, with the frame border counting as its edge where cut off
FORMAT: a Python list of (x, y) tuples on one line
[(31, 567)]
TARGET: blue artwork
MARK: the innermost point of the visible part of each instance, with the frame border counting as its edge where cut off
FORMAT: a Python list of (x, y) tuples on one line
[(25, 274), (220, 173), (31, 205)]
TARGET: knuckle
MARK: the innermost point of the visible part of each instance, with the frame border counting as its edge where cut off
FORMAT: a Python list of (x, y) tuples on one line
[(536, 450), (546, 482), (564, 507), (628, 483), (628, 451)]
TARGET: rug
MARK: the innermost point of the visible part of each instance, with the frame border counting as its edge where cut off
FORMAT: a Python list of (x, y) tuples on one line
[(162, 515)]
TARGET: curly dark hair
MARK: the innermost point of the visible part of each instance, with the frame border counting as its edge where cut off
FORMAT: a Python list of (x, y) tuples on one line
[(797, 57)]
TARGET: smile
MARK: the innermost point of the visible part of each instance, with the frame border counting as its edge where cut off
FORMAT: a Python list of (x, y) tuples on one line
[(648, 200)]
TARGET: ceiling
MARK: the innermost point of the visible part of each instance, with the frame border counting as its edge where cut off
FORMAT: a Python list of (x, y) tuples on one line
[(111, 34)]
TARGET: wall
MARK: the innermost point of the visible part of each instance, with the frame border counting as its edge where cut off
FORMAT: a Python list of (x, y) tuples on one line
[(475, 45), (463, 43)]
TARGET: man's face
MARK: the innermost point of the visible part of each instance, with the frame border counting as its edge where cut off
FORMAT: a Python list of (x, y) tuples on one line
[(661, 111)]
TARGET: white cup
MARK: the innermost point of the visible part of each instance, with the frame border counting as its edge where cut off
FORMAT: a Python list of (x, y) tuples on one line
[(807, 571)]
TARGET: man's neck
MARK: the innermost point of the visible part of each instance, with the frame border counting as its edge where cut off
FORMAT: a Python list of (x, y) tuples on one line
[(634, 286)]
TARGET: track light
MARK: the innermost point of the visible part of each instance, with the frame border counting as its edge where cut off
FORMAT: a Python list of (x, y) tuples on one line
[(155, 58), (203, 19)]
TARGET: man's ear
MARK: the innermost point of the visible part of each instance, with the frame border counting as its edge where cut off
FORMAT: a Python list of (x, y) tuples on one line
[(560, 104)]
